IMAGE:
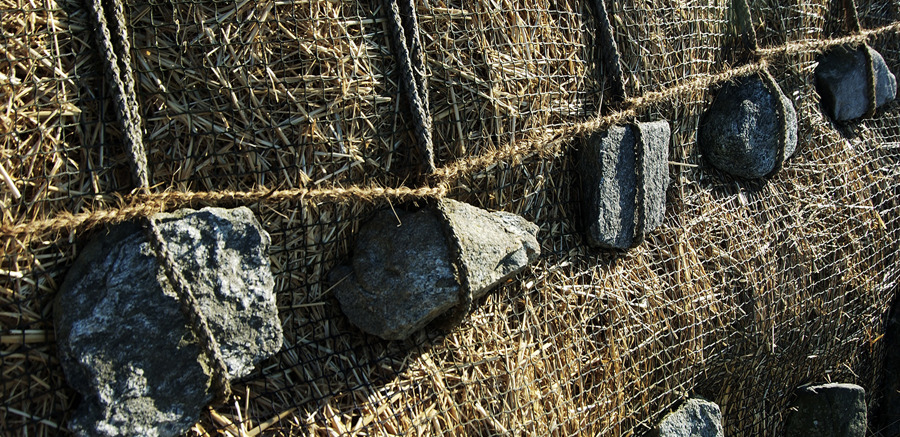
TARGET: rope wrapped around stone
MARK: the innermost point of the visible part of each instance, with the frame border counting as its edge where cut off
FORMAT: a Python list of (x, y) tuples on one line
[(112, 38), (220, 386), (609, 53), (411, 64), (852, 27), (458, 313)]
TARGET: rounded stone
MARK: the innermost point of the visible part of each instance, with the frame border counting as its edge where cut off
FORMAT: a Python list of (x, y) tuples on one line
[(750, 128)]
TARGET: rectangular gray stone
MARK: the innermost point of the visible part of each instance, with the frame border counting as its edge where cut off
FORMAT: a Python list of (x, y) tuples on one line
[(623, 190)]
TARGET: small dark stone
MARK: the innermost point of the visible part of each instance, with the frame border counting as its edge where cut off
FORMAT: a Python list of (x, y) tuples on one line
[(402, 274), (125, 343), (695, 418), (842, 82), (624, 197), (743, 132), (828, 410)]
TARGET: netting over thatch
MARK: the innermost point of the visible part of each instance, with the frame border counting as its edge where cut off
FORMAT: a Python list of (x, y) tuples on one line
[(293, 108)]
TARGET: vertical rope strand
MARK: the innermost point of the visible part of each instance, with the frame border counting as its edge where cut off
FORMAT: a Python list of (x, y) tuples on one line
[(742, 22), (115, 50), (609, 53), (220, 385), (411, 63)]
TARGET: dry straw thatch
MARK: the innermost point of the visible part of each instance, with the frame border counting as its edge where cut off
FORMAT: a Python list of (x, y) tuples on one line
[(290, 107)]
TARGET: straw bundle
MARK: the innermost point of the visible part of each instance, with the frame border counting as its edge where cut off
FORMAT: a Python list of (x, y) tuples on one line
[(249, 95)]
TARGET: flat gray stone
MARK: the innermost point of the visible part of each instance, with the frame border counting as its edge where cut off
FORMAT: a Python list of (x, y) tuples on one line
[(841, 80), (694, 418), (624, 196), (124, 342), (828, 410), (743, 132), (403, 274)]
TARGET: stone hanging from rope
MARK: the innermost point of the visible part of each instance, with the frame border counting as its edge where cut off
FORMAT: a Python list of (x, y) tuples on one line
[(410, 267), (854, 82), (750, 129), (624, 174), (152, 324)]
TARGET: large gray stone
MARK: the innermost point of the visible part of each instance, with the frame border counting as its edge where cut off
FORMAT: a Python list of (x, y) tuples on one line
[(624, 193), (828, 410), (694, 418), (126, 345), (743, 132), (403, 273), (841, 80)]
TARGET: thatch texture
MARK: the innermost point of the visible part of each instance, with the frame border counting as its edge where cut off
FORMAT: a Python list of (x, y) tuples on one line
[(291, 108)]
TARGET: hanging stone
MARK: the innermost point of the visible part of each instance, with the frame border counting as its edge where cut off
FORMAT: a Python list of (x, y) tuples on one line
[(410, 267), (842, 81), (695, 418), (125, 342), (750, 129), (828, 410), (624, 174)]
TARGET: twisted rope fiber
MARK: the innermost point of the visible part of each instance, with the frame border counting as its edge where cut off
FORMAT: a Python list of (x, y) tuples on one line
[(220, 385), (112, 40), (411, 63), (145, 205), (548, 142)]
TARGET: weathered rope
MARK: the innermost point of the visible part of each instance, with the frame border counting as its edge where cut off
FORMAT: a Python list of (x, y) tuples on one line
[(220, 385), (411, 63), (609, 53), (112, 38), (145, 205), (742, 22), (871, 90), (640, 191), (851, 17), (772, 86), (459, 312), (819, 46), (548, 141)]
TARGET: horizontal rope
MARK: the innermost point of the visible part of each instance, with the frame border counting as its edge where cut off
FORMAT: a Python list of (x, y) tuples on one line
[(549, 141), (145, 205)]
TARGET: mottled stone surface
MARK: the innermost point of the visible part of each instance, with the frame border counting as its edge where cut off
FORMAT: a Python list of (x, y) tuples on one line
[(694, 418), (222, 253), (126, 345), (743, 132), (828, 410), (842, 82), (403, 274), (623, 193), (653, 176)]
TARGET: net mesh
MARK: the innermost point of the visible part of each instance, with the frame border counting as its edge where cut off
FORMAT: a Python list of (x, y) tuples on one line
[(292, 108)]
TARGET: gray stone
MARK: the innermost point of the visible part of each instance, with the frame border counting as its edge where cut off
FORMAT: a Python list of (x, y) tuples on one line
[(624, 196), (124, 342), (403, 274), (695, 418), (828, 410), (743, 132), (653, 177), (841, 80)]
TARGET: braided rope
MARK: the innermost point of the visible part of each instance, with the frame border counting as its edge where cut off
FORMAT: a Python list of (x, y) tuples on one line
[(220, 384), (115, 49), (411, 63), (546, 142)]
